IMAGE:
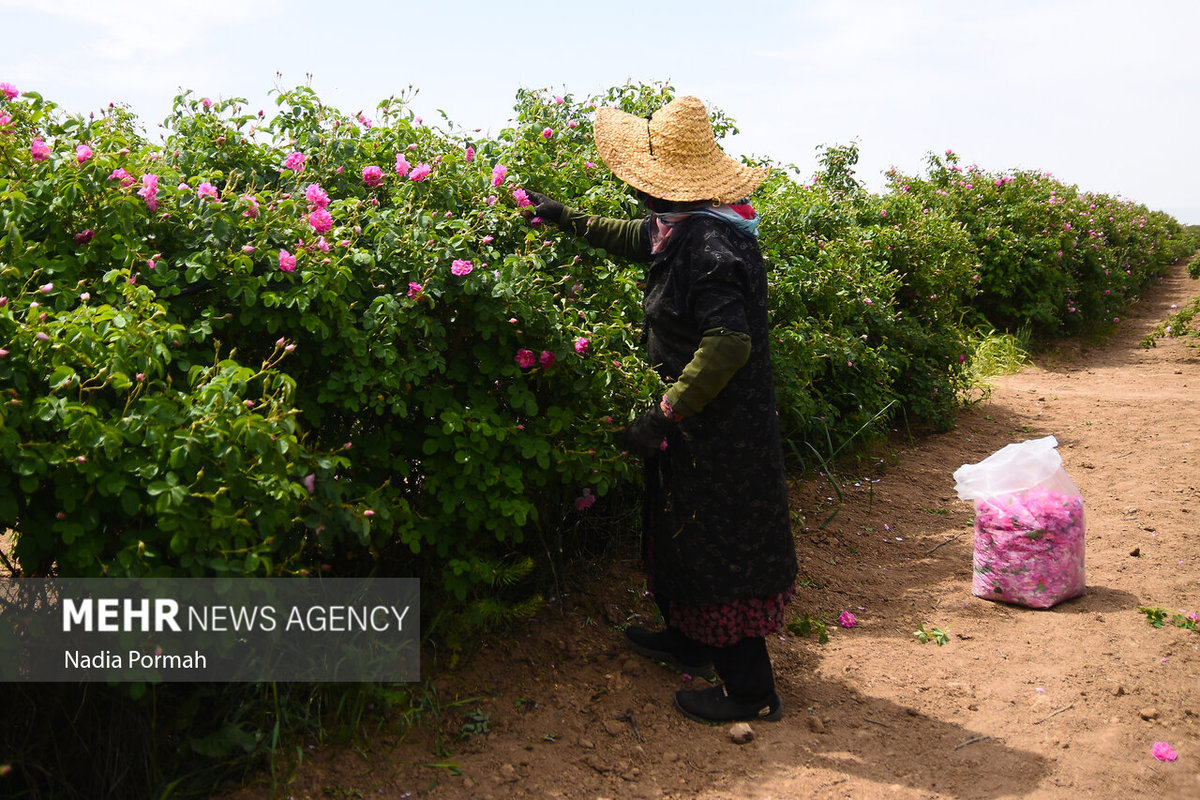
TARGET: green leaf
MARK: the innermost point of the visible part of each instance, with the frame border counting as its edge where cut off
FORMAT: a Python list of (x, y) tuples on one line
[(60, 376), (8, 507)]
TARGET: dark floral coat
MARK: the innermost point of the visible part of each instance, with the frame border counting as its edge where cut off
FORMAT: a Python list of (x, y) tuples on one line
[(716, 506)]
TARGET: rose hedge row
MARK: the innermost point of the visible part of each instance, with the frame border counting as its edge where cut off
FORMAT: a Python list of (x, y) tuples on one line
[(1054, 260), (310, 341)]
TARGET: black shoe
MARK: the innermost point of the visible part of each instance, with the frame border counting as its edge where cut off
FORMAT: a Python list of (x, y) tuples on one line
[(671, 648), (715, 705)]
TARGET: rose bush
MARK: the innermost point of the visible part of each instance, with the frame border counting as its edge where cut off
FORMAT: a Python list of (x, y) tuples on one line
[(381, 282), (289, 345), (867, 294)]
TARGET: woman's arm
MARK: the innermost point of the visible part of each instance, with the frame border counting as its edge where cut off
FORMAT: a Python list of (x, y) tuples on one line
[(629, 239)]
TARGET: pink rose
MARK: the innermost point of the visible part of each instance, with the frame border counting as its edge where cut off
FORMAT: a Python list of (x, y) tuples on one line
[(121, 175), (316, 196), (525, 358), (547, 133), (414, 289), (420, 172), (149, 190), (372, 175), (252, 211), (522, 198), (206, 189), (847, 620), (546, 359), (39, 150), (9, 90), (320, 220), (402, 165), (287, 261), (83, 153), (461, 267), (582, 345), (294, 162), (498, 173), (469, 154)]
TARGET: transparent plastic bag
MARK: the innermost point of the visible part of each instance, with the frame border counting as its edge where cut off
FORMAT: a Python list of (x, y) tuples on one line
[(1029, 525)]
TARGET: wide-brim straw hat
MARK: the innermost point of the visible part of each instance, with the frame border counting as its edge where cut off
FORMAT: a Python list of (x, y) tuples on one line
[(673, 155)]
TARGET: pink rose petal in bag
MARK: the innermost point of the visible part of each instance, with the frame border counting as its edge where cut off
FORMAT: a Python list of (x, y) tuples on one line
[(1029, 525)]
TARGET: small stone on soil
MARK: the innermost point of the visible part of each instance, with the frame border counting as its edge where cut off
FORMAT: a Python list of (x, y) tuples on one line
[(741, 733)]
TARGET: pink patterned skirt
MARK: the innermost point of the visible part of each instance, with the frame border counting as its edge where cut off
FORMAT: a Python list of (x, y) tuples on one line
[(723, 624)]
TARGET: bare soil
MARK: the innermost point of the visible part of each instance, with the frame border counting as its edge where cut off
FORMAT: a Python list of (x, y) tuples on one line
[(1017, 703)]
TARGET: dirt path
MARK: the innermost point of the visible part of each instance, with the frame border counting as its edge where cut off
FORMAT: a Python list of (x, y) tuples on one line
[(1016, 704)]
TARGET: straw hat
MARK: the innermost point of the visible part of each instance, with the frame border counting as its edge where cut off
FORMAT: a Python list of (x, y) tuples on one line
[(672, 155)]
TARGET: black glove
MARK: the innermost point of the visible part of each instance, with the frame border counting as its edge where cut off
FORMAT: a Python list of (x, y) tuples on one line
[(545, 207), (645, 435)]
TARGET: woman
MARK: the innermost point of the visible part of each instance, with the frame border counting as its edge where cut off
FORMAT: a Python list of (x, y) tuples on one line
[(717, 539)]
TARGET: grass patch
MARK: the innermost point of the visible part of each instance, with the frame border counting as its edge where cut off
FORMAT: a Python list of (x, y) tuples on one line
[(992, 354), (1184, 322)]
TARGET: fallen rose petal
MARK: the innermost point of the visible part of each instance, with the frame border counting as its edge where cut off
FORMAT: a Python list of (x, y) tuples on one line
[(1163, 752)]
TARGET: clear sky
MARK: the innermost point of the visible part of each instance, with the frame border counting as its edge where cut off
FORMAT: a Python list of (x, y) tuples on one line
[(1104, 94)]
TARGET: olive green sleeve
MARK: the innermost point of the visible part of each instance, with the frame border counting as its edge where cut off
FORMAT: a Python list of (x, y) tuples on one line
[(624, 238), (722, 352)]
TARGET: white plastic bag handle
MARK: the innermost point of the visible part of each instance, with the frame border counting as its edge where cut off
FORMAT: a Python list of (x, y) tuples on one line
[(1013, 468)]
